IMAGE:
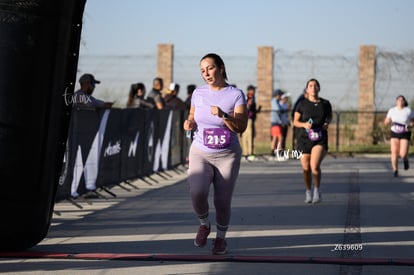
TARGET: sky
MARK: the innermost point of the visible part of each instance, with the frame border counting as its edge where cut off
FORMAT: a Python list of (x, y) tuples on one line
[(235, 27), (296, 29)]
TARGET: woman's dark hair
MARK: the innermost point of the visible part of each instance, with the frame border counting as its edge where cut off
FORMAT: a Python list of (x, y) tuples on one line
[(140, 86), (133, 92), (313, 80), (218, 61), (403, 98), (134, 88), (190, 89)]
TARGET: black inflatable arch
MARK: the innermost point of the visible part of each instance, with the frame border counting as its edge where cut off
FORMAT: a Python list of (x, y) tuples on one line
[(39, 49)]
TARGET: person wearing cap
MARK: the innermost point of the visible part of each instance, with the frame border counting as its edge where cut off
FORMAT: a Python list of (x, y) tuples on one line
[(83, 97), (172, 101), (276, 122), (312, 117), (401, 118)]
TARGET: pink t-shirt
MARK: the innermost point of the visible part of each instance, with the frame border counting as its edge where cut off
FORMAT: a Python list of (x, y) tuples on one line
[(211, 134)]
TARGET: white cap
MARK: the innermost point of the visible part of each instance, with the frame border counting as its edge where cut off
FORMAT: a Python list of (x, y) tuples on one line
[(285, 95)]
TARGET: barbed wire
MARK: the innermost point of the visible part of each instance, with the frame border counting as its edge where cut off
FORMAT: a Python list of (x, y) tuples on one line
[(338, 74), (394, 76)]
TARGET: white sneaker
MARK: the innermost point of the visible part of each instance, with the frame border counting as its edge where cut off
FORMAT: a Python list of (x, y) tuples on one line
[(317, 197), (251, 157), (308, 198)]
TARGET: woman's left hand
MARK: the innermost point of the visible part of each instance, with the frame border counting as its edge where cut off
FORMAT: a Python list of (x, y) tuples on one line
[(216, 111)]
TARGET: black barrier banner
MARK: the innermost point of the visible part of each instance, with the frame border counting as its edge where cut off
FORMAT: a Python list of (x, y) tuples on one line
[(86, 132), (177, 145), (110, 146), (151, 125), (109, 164), (162, 137), (133, 142)]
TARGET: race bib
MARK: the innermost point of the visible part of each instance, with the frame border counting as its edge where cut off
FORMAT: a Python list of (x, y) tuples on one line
[(216, 138), (315, 134), (398, 128)]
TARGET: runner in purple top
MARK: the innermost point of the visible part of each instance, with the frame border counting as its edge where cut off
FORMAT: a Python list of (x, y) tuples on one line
[(212, 134), (217, 115)]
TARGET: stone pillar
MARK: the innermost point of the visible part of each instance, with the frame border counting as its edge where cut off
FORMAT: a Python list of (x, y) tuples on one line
[(366, 100), (165, 63), (264, 92)]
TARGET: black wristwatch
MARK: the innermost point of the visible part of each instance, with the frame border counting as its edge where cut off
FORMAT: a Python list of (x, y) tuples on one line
[(225, 115)]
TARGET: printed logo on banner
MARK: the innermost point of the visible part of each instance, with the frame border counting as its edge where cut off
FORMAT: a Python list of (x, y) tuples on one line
[(90, 168), (162, 148), (113, 149), (150, 138), (133, 146), (111, 158)]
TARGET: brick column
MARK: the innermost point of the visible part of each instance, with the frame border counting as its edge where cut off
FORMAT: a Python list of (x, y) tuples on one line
[(165, 63), (366, 101), (264, 92)]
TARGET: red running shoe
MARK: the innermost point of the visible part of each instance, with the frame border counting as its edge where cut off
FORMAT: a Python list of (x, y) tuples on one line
[(202, 234), (220, 246)]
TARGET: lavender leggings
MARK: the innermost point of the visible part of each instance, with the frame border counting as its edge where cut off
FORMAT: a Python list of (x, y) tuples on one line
[(221, 169)]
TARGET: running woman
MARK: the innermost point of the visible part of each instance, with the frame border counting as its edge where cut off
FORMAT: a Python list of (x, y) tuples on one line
[(400, 117), (218, 113), (312, 117)]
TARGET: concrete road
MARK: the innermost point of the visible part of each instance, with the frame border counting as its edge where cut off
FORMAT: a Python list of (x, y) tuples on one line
[(364, 225)]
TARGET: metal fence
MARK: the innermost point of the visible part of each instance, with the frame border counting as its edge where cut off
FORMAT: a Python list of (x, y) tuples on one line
[(338, 74), (343, 132)]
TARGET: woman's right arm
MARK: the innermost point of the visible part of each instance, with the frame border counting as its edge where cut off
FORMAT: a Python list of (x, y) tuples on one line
[(189, 123), (387, 119), (298, 124)]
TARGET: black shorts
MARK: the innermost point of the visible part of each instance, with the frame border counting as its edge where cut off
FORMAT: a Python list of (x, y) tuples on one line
[(305, 145), (406, 135)]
